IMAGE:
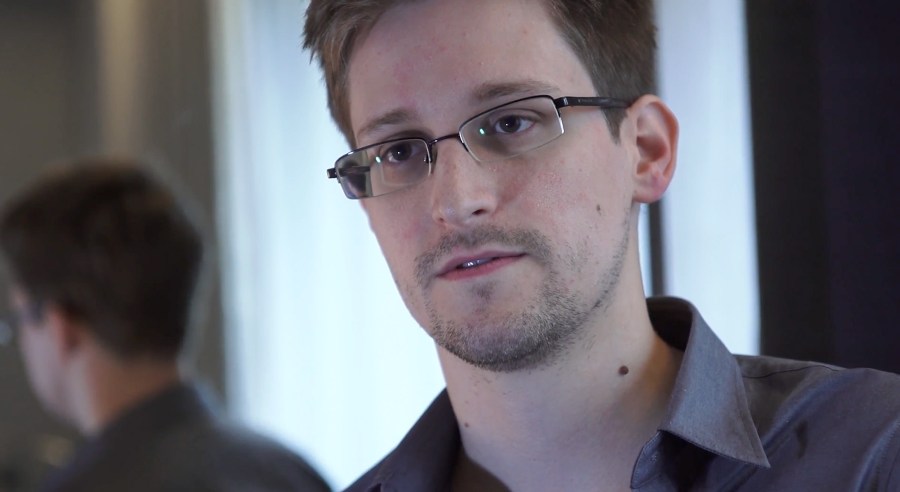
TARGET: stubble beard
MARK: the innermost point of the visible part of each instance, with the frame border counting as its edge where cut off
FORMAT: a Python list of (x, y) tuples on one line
[(544, 330)]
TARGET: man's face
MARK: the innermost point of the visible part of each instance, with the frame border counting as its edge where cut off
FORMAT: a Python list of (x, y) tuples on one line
[(504, 263), (39, 351)]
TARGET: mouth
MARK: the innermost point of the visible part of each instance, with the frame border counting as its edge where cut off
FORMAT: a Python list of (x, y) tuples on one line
[(475, 265)]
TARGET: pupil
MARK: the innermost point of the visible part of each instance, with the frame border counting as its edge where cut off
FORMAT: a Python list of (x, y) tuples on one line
[(510, 124), (400, 152)]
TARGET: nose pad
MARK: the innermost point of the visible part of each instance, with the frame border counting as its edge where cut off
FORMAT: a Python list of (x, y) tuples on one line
[(463, 191), (432, 145)]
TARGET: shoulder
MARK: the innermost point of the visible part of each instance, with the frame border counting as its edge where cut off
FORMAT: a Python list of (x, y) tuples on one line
[(198, 455), (776, 383), (845, 423), (225, 452)]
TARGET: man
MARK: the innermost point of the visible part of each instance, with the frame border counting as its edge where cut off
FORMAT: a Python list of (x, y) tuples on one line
[(503, 149), (104, 263)]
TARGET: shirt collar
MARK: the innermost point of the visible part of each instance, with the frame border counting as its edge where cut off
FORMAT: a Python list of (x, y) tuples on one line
[(708, 407)]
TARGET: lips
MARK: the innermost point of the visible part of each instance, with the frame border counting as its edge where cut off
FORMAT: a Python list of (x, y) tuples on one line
[(476, 261), (479, 252)]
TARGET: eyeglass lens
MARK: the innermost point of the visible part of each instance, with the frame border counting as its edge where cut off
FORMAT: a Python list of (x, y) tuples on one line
[(499, 133)]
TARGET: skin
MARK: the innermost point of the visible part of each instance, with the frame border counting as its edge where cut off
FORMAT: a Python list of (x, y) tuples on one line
[(40, 354), (530, 344)]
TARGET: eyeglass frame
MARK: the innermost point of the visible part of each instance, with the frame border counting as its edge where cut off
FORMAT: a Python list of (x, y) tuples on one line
[(430, 154)]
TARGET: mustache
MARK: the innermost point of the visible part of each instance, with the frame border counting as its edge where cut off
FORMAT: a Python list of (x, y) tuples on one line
[(529, 241)]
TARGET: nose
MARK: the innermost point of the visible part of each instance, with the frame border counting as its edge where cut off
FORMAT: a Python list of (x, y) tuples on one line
[(464, 191)]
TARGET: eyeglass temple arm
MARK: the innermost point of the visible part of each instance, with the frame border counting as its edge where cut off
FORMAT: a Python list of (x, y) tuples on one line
[(603, 102), (350, 171)]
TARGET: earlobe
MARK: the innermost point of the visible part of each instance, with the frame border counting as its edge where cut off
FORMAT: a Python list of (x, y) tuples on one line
[(656, 140)]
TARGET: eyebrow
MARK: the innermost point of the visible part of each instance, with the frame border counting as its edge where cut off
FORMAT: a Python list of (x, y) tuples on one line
[(488, 91), (491, 91), (394, 117)]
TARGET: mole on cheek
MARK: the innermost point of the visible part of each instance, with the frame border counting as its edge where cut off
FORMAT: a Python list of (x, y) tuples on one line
[(599, 211)]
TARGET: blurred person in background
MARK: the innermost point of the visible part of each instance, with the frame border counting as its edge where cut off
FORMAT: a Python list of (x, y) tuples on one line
[(501, 151), (104, 263)]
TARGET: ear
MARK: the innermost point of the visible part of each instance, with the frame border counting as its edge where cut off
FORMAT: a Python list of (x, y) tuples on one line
[(656, 139), (68, 333)]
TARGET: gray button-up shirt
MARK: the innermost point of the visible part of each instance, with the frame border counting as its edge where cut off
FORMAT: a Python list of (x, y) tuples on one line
[(734, 423)]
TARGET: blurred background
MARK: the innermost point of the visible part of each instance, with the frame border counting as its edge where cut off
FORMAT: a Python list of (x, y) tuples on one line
[(781, 224)]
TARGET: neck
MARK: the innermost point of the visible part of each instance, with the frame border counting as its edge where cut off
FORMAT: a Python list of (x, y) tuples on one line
[(592, 409), (109, 385)]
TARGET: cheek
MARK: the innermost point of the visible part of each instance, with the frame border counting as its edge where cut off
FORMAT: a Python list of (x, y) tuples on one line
[(27, 347), (579, 201), (545, 192), (398, 233), (395, 230), (560, 193), (36, 364)]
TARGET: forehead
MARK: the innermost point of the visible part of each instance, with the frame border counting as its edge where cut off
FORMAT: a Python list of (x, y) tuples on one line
[(441, 57)]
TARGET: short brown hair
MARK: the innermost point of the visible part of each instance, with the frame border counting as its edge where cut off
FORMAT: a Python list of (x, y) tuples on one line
[(107, 242), (614, 39)]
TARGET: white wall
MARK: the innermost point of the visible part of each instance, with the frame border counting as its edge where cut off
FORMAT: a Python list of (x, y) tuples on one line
[(709, 221)]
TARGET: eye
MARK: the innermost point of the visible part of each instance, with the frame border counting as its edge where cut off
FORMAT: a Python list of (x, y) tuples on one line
[(401, 157), (507, 121), (401, 152), (511, 124), (398, 152)]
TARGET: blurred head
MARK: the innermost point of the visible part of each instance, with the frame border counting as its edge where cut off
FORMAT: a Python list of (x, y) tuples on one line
[(104, 243), (615, 40)]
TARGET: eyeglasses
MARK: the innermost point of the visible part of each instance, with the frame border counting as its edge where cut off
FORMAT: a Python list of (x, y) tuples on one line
[(503, 132)]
